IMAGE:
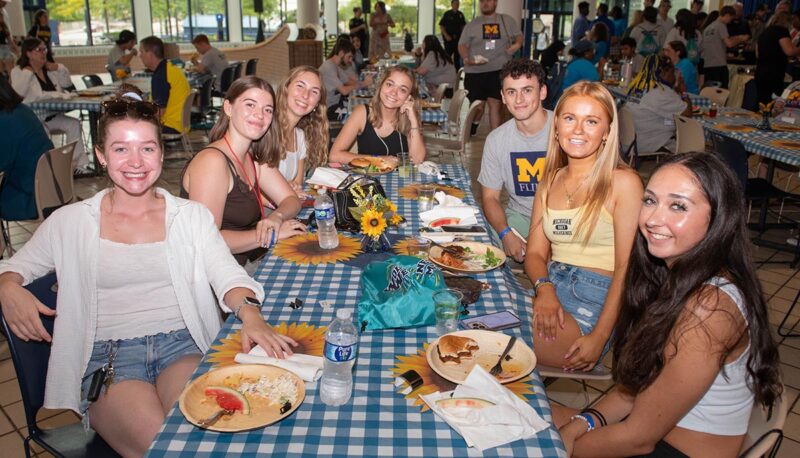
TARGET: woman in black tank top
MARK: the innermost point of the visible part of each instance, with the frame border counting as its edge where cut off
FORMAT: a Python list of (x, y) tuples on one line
[(227, 179), (389, 125)]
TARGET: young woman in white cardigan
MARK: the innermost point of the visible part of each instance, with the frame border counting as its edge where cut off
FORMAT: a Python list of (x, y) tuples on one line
[(134, 265)]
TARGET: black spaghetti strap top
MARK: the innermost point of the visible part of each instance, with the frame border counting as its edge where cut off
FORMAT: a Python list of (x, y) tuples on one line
[(242, 211), (371, 144)]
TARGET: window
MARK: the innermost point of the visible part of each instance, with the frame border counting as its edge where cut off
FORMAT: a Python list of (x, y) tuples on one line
[(273, 17), (88, 22), (181, 20)]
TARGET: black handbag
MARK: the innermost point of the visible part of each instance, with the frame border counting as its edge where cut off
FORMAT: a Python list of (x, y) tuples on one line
[(343, 200)]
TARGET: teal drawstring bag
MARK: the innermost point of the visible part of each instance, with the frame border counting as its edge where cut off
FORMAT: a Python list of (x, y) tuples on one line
[(398, 293)]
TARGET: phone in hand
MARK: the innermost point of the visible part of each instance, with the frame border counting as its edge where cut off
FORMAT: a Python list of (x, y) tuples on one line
[(492, 321)]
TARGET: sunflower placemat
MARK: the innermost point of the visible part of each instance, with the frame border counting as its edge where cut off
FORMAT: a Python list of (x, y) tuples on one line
[(734, 128), (403, 246), (785, 128), (433, 382), (740, 114), (310, 341), (411, 191), (305, 249), (786, 143)]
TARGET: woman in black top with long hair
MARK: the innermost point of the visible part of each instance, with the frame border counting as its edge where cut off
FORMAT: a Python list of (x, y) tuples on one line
[(550, 55)]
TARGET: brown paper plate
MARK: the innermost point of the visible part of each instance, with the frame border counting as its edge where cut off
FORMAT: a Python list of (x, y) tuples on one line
[(473, 265), (430, 105), (734, 128), (785, 128), (195, 405), (520, 360), (786, 143)]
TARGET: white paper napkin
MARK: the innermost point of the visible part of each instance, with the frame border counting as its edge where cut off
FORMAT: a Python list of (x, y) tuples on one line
[(326, 176), (479, 59), (465, 214), (508, 420), (438, 237), (307, 367)]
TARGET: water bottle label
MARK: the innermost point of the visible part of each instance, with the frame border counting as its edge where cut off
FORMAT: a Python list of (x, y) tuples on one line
[(323, 214), (340, 354)]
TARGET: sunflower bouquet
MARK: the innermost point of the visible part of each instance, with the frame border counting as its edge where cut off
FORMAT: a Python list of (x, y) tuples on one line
[(766, 112), (375, 213)]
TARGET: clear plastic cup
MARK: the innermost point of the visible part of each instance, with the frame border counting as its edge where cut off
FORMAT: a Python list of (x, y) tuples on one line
[(447, 304)]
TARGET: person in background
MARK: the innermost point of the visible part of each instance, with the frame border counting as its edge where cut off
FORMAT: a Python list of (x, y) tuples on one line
[(135, 268), (697, 6), (121, 54), (334, 79), (664, 21), (380, 22), (638, 17), (795, 32), (301, 127), (581, 25), (774, 50), (659, 94), (706, 20), (451, 25), (686, 32), (348, 69), (228, 176), (31, 80), (169, 87), (388, 125), (436, 66), (24, 142), (41, 30), (620, 21), (675, 51), (648, 34), (598, 34), (582, 230), (758, 22), (602, 18), (359, 28), (495, 37), (627, 48), (512, 152), (550, 56), (358, 57), (738, 25), (693, 339), (580, 67), (212, 60), (8, 47), (715, 43)]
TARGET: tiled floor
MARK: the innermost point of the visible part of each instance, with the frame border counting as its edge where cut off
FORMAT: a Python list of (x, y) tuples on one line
[(780, 283)]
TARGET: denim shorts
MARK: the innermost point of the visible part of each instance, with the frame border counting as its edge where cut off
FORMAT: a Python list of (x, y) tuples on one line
[(581, 292), (142, 358)]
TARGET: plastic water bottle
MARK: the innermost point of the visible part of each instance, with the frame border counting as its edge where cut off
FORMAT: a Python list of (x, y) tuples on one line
[(326, 221), (341, 347)]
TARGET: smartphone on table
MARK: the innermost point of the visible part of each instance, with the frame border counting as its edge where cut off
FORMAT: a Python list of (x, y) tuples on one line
[(492, 321)]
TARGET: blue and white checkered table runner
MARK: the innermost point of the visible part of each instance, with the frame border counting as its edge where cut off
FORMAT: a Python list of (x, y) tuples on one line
[(377, 421), (757, 141)]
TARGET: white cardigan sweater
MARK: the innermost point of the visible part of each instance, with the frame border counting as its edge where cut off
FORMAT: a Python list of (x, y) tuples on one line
[(68, 241)]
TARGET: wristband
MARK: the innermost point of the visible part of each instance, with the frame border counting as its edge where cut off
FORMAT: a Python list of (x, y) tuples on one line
[(541, 282), (504, 232), (597, 414), (587, 418)]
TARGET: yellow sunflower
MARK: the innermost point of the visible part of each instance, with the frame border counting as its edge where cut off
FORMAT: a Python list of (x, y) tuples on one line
[(372, 223), (310, 341), (392, 206), (305, 249), (396, 219)]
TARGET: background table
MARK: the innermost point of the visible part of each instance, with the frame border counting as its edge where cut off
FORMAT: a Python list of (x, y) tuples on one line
[(621, 93), (377, 421)]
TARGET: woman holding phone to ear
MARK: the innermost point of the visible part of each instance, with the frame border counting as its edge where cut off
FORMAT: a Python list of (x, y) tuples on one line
[(388, 125)]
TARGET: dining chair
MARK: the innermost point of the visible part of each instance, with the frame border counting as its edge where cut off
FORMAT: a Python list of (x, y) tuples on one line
[(225, 80), (599, 373), (717, 95), (438, 94), (689, 135), (453, 125), (628, 137), (765, 430), (30, 361), (91, 80), (251, 67), (459, 145), (186, 126)]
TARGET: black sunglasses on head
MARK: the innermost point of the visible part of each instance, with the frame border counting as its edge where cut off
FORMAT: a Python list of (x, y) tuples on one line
[(125, 107)]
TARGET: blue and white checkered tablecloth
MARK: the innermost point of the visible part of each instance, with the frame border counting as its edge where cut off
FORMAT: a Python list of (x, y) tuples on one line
[(377, 421), (621, 93), (757, 141), (92, 104)]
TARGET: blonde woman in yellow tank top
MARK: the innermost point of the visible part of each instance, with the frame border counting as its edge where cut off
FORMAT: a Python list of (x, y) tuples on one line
[(583, 226)]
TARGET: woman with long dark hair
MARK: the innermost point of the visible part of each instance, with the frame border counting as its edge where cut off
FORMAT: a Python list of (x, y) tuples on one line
[(692, 347), (549, 56), (437, 67), (686, 32)]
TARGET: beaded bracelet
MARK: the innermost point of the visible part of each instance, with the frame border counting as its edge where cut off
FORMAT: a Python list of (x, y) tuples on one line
[(588, 419)]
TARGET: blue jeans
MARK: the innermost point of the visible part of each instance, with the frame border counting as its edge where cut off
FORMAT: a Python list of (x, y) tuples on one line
[(142, 358), (581, 292)]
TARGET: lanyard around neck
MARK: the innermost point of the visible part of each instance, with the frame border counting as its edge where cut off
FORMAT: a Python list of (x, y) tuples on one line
[(254, 187)]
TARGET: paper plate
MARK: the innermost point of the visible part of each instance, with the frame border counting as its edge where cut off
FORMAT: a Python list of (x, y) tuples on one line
[(430, 105), (195, 405), (785, 128), (520, 360), (786, 143), (734, 128), (471, 266)]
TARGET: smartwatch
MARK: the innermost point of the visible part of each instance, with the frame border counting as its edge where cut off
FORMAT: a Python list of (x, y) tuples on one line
[(248, 300)]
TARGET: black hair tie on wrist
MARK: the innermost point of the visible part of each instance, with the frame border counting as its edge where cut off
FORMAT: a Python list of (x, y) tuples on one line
[(597, 414)]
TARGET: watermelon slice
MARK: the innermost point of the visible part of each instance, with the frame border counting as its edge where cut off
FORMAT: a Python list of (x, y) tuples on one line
[(449, 221), (229, 399), (470, 403)]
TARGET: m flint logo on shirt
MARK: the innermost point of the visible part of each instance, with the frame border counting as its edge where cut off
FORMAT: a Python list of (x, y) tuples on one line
[(561, 226), (527, 168), (491, 31)]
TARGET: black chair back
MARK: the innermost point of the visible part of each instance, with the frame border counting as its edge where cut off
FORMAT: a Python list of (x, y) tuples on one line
[(237, 70), (733, 153), (250, 67), (750, 97), (206, 91), (226, 79), (92, 80)]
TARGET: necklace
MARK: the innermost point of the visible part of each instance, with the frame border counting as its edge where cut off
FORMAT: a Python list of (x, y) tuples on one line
[(570, 194), (253, 186)]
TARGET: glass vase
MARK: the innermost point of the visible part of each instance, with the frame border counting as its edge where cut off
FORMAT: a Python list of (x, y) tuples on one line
[(379, 244), (764, 124)]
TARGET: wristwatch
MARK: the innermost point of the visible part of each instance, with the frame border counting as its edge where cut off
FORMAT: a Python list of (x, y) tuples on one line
[(248, 300)]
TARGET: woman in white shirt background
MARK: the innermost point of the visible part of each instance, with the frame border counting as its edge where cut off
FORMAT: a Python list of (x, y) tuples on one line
[(32, 80), (141, 274)]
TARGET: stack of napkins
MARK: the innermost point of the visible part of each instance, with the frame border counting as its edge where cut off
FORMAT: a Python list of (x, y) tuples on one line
[(328, 177), (508, 420), (307, 367)]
